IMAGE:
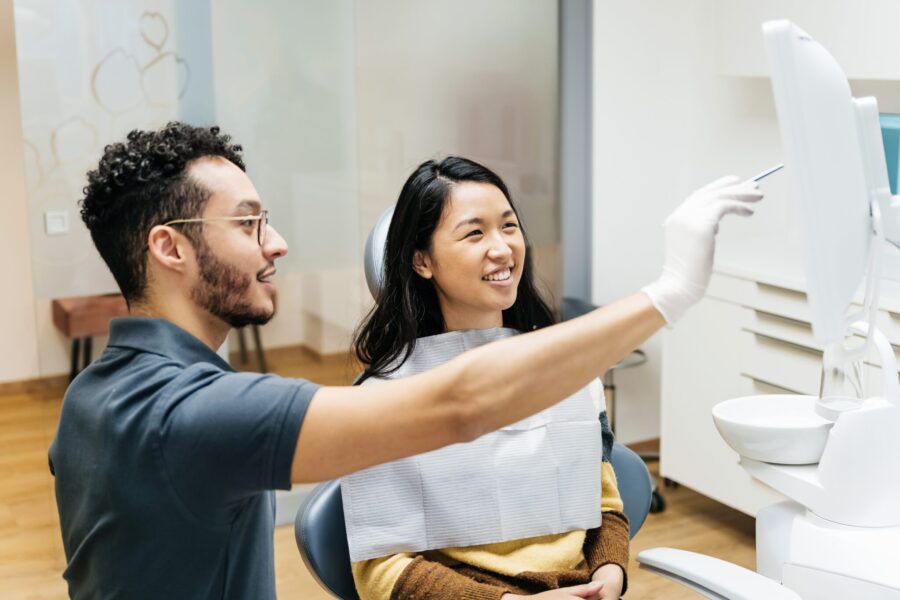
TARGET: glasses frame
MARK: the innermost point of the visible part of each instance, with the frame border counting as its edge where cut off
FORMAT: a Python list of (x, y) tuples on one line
[(262, 222)]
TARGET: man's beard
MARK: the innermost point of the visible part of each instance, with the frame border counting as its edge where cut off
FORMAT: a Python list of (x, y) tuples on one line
[(222, 291)]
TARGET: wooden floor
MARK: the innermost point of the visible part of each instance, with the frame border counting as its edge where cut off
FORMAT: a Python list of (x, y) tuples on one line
[(32, 559)]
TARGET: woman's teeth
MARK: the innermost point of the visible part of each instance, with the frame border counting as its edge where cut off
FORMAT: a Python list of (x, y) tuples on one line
[(498, 276)]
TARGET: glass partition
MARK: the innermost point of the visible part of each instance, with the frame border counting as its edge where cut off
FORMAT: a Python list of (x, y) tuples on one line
[(334, 101)]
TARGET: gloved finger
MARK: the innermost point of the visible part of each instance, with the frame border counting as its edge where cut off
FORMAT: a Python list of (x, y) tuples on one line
[(732, 207), (741, 192), (720, 183)]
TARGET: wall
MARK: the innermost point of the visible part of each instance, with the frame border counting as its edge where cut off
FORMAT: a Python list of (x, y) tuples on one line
[(19, 352), (675, 106)]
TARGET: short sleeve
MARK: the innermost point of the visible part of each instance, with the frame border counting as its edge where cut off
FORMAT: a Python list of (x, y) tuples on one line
[(226, 436)]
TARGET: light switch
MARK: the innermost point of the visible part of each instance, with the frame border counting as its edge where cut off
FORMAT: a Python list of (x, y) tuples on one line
[(56, 222)]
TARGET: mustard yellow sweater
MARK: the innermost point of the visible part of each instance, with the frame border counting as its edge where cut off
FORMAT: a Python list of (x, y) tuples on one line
[(490, 570)]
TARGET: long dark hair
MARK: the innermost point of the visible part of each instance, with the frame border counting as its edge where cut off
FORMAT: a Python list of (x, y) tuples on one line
[(407, 307)]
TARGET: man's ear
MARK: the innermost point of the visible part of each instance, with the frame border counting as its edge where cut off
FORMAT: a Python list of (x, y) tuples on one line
[(422, 264), (167, 248)]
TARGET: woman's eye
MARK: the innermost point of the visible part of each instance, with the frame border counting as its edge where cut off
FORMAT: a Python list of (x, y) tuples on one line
[(511, 226), (247, 222), (473, 233)]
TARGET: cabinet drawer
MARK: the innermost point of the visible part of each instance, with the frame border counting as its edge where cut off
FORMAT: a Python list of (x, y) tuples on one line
[(779, 301), (779, 327), (760, 387), (783, 364)]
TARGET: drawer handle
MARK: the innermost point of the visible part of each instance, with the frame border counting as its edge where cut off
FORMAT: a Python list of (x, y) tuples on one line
[(770, 384), (788, 320), (781, 291), (782, 342)]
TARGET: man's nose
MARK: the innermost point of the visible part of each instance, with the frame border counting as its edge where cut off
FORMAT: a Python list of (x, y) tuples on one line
[(275, 246)]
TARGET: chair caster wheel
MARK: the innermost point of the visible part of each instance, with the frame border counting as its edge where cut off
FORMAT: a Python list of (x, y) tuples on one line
[(657, 502)]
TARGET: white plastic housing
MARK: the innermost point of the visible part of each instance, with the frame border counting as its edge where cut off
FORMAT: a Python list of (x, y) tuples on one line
[(778, 428), (825, 167)]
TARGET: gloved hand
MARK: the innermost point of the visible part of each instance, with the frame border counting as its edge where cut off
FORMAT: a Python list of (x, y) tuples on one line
[(691, 241)]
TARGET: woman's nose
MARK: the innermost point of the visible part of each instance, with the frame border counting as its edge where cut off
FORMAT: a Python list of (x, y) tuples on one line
[(499, 249)]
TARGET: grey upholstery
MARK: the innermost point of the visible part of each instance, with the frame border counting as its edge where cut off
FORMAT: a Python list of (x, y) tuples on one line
[(319, 526), (322, 540), (373, 255), (635, 484)]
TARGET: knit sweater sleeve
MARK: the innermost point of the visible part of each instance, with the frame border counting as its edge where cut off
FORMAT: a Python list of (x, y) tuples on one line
[(409, 576), (609, 543), (375, 578), (427, 580)]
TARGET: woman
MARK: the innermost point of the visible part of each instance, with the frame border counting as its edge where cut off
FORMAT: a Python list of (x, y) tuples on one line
[(456, 259)]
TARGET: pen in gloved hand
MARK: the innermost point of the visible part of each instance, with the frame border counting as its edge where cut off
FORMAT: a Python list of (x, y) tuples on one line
[(768, 172)]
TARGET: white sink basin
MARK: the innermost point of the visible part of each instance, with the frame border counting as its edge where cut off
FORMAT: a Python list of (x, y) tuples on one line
[(781, 428)]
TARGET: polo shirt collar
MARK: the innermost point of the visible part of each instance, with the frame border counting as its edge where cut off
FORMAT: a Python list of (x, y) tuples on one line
[(162, 337)]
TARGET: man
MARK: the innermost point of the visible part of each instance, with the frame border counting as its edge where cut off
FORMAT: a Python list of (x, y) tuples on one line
[(165, 458)]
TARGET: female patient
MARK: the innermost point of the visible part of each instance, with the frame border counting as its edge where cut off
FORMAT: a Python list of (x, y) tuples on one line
[(457, 259)]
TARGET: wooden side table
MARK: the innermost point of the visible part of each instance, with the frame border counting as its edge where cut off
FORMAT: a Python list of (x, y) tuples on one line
[(80, 318)]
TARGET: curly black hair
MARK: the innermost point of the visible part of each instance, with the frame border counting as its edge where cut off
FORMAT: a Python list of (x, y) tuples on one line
[(142, 183)]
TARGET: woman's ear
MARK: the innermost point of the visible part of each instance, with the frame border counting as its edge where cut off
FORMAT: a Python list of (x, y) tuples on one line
[(422, 264)]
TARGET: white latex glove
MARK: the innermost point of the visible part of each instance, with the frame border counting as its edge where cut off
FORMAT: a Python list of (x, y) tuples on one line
[(691, 242)]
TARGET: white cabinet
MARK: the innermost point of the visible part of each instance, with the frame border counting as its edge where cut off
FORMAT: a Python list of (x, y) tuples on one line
[(747, 337), (702, 360)]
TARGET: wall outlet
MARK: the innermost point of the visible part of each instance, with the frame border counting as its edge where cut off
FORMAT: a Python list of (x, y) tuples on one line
[(56, 222)]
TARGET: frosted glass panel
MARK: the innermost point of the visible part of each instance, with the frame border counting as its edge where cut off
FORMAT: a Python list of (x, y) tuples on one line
[(337, 102), (285, 84), (88, 73), (472, 78), (334, 101)]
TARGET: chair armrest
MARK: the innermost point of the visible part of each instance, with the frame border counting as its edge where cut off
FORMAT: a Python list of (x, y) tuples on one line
[(711, 577)]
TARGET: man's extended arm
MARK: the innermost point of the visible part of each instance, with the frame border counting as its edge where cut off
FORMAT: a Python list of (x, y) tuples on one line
[(351, 428)]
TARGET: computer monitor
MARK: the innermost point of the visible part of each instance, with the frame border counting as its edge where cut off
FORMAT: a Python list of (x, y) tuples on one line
[(833, 170)]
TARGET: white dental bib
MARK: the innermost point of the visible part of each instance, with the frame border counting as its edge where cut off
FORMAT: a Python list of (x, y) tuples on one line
[(536, 477)]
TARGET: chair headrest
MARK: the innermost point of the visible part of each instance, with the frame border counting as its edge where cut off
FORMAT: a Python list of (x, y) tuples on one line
[(373, 256)]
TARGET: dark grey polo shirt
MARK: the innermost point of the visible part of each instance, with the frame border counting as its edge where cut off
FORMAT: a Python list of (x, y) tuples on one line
[(165, 459)]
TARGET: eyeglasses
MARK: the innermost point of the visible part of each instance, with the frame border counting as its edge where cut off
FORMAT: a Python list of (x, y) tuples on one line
[(262, 223)]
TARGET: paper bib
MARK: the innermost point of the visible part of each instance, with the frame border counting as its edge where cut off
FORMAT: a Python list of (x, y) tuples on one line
[(536, 477)]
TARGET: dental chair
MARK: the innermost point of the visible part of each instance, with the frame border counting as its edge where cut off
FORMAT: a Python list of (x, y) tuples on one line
[(319, 526)]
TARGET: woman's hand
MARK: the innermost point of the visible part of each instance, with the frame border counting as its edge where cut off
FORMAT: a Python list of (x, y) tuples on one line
[(613, 578), (587, 591)]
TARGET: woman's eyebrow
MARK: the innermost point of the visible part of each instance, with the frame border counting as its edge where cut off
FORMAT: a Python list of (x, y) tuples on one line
[(473, 221), (479, 221)]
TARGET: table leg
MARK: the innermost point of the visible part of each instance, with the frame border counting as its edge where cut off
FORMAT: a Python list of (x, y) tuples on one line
[(260, 355), (88, 352), (242, 346), (76, 351)]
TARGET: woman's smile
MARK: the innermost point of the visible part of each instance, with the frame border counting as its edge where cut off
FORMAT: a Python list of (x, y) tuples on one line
[(500, 277)]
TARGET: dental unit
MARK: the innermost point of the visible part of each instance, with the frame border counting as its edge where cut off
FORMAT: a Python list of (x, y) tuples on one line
[(836, 457)]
